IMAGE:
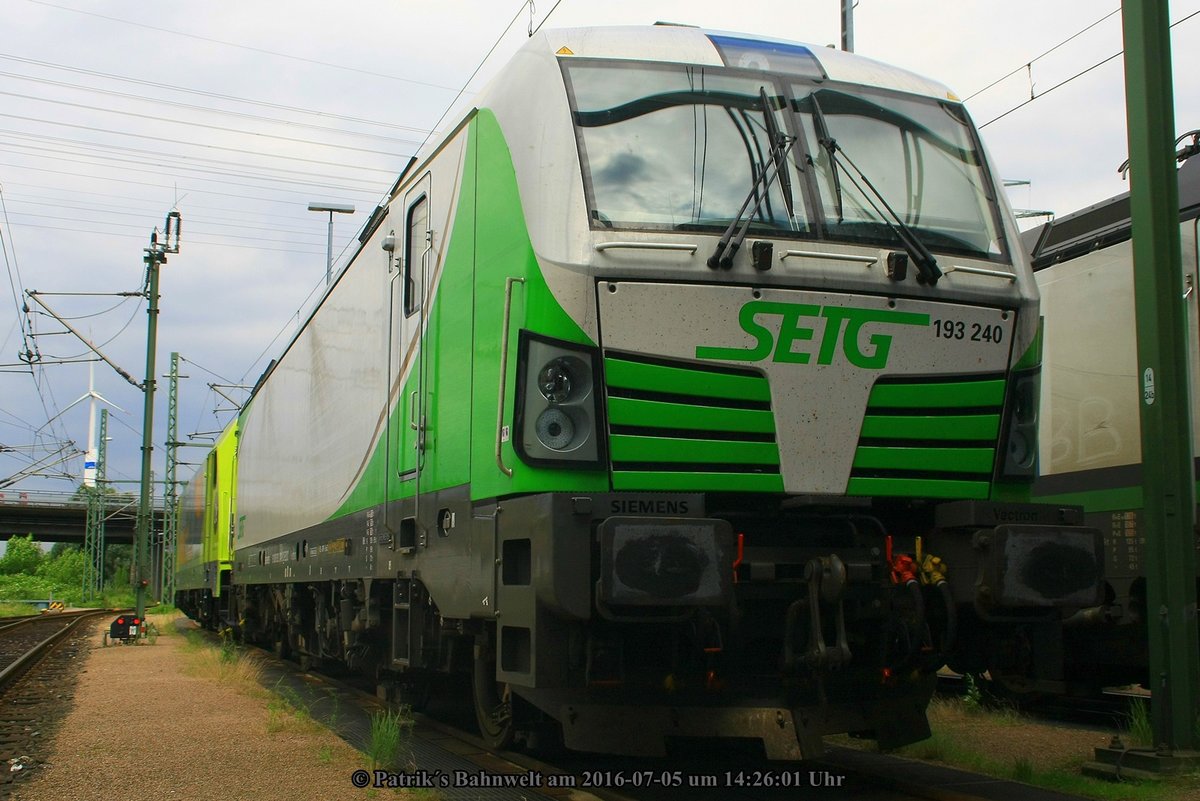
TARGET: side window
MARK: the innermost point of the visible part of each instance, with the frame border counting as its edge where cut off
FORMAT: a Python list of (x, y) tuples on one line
[(414, 255)]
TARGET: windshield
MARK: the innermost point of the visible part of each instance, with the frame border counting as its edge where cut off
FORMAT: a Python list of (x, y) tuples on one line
[(679, 147), (675, 147)]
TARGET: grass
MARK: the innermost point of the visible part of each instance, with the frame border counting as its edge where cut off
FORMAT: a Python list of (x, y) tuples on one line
[(228, 664), (11, 609), (1140, 727), (388, 729), (966, 736), (287, 711)]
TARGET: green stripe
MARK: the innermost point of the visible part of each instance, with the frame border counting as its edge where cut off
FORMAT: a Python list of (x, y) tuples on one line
[(917, 487), (657, 414), (1033, 354), (938, 396), (628, 448), (956, 460), (962, 426), (718, 482), (658, 378), (1108, 500)]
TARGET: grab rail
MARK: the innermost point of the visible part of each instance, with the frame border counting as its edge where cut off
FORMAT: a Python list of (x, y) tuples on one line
[(508, 285)]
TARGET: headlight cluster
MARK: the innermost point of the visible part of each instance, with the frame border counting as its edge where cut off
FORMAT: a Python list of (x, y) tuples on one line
[(1020, 425), (557, 409)]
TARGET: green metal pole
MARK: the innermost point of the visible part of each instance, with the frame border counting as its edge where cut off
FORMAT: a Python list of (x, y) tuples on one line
[(171, 521), (141, 580), (1168, 480)]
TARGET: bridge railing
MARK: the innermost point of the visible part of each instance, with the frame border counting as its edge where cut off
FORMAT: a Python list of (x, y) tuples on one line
[(66, 500)]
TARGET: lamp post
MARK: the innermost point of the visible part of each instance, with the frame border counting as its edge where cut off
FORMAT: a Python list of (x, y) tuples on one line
[(332, 208)]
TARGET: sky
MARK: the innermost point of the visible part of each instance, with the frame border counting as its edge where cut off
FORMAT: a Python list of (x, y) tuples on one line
[(239, 116)]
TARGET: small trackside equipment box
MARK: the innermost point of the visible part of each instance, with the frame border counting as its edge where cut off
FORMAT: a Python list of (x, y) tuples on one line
[(125, 628)]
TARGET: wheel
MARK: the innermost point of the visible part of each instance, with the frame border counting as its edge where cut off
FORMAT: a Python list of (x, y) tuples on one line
[(493, 700)]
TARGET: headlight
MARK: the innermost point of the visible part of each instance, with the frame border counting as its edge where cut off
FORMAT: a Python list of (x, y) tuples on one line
[(557, 412), (1020, 425), (556, 380), (555, 429)]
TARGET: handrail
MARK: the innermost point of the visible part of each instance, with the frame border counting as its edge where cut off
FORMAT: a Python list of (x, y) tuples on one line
[(959, 268), (603, 246), (820, 254), (508, 285)]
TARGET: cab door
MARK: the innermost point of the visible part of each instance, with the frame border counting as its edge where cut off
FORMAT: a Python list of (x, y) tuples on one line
[(410, 301)]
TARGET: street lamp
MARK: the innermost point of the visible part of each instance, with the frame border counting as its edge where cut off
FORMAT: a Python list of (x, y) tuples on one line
[(332, 208)]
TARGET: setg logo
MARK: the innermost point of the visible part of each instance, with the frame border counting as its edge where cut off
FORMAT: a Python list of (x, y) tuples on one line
[(798, 324)]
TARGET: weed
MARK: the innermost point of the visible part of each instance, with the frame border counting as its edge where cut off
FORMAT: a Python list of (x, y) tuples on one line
[(1141, 728), (387, 731), (973, 696), (287, 710), (229, 649), (325, 754), (1022, 770), (228, 664)]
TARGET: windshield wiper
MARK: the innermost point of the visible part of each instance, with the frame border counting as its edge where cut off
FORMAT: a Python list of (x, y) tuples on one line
[(824, 136), (779, 142), (928, 271)]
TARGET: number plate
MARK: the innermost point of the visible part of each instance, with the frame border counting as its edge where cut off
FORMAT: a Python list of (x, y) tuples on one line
[(133, 631)]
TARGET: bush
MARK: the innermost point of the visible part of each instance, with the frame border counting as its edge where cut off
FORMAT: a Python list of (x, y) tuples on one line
[(23, 555), (25, 587)]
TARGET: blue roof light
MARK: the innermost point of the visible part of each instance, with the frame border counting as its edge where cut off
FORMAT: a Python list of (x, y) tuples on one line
[(757, 54)]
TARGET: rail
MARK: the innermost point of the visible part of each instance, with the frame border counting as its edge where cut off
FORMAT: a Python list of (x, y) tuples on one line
[(28, 657)]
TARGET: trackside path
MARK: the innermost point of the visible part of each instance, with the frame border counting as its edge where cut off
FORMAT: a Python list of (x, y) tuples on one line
[(143, 727)]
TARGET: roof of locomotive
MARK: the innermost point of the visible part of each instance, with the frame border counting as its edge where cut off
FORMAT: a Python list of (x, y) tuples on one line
[(688, 45), (685, 44), (1103, 224)]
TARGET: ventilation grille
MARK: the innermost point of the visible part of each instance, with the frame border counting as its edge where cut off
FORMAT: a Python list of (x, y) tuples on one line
[(682, 426), (932, 439)]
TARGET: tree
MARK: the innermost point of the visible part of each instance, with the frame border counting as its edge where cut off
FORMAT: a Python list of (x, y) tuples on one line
[(22, 555)]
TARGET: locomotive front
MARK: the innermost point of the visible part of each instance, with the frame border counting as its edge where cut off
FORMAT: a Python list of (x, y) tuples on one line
[(797, 379)]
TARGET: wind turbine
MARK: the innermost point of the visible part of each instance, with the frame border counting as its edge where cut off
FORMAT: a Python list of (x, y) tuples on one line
[(89, 459)]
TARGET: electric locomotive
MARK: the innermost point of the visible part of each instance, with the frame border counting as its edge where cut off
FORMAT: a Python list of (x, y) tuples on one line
[(685, 388), (1090, 441)]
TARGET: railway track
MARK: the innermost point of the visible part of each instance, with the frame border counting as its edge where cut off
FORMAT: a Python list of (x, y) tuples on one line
[(443, 749), (38, 660), (25, 641)]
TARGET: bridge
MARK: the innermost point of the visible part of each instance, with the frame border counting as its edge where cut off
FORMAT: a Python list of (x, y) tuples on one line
[(62, 516)]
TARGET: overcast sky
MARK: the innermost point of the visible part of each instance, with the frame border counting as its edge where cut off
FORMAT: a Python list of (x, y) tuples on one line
[(112, 112)]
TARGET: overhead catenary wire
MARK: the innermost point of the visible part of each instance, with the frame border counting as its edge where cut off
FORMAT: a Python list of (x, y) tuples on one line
[(193, 219), (206, 109), (137, 237), (432, 131), (478, 67), (211, 95), (221, 182), (1079, 74), (204, 145), (199, 164), (1036, 58), (224, 128), (143, 201), (251, 48)]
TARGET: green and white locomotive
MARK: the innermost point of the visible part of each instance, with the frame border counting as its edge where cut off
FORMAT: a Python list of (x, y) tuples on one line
[(686, 388)]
